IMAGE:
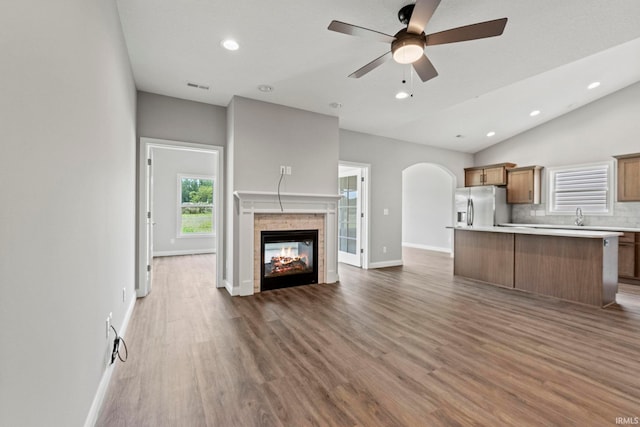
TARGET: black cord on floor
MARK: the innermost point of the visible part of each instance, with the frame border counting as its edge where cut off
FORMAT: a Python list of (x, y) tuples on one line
[(279, 182), (116, 347)]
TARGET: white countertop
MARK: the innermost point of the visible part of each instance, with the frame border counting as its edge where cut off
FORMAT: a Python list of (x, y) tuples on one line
[(589, 234), (576, 227)]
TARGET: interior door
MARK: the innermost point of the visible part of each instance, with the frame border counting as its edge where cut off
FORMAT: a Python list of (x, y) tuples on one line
[(350, 216)]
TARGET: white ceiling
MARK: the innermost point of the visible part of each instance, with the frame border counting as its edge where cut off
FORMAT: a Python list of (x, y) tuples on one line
[(549, 52)]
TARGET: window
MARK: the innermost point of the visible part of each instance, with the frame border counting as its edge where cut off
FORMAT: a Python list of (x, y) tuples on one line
[(348, 214), (195, 206), (587, 187)]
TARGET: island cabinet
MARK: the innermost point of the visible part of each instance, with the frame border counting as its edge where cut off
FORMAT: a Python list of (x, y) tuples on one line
[(629, 177), (487, 257), (579, 266), (487, 175), (523, 185), (571, 268), (629, 258)]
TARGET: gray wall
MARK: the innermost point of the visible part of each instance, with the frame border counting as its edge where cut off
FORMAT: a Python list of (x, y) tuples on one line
[(67, 217), (267, 136), (593, 133), (167, 165), (427, 207), (175, 119), (260, 138), (388, 158)]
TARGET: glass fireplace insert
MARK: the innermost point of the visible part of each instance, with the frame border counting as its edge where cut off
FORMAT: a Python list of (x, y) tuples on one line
[(288, 258)]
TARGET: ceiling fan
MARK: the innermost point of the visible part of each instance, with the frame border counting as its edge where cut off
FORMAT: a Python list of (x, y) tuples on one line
[(407, 46)]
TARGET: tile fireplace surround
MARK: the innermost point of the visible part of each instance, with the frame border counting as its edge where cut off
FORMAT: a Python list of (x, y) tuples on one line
[(258, 211)]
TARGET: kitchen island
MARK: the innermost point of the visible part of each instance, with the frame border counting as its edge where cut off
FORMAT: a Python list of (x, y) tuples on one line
[(574, 265)]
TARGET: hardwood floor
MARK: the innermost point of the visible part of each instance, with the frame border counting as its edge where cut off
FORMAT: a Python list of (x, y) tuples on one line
[(401, 346)]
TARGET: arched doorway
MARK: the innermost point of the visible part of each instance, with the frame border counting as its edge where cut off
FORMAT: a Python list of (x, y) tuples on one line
[(427, 207)]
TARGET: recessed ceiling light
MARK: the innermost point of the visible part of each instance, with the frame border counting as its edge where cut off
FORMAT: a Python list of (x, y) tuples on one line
[(265, 88), (593, 85), (534, 113), (230, 44), (402, 95), (335, 105), (490, 134)]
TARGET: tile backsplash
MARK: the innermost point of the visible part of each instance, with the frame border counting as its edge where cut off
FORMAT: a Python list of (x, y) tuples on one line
[(624, 215)]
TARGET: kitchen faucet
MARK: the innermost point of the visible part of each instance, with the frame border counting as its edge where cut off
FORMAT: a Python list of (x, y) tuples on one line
[(579, 217)]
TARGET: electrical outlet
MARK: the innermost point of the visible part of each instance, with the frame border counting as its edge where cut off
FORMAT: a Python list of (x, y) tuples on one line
[(384, 249), (288, 170), (283, 170)]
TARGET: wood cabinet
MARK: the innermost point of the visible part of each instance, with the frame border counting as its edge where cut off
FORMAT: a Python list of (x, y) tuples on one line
[(629, 177), (523, 185), (580, 269), (487, 257), (473, 177), (629, 258), (487, 175)]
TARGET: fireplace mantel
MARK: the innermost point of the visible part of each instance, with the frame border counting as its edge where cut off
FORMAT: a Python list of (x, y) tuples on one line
[(267, 202), (249, 203)]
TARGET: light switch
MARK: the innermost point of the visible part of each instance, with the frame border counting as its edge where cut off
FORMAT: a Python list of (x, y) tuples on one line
[(385, 211)]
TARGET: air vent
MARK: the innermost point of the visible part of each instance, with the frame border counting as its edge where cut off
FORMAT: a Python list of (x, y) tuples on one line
[(198, 86)]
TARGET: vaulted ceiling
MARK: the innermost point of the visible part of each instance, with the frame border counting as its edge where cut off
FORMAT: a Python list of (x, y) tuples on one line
[(548, 54)]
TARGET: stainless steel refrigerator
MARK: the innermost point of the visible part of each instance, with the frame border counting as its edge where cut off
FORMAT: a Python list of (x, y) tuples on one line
[(482, 206)]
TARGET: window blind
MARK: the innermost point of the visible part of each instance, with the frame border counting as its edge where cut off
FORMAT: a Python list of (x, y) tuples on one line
[(586, 188)]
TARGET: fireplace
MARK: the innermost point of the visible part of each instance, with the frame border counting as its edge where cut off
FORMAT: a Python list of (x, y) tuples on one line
[(288, 258)]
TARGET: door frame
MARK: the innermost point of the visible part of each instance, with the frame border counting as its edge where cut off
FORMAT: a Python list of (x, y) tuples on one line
[(364, 197), (145, 146)]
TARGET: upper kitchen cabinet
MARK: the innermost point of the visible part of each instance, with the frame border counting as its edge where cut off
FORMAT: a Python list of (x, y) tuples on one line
[(629, 177), (523, 185), (487, 175)]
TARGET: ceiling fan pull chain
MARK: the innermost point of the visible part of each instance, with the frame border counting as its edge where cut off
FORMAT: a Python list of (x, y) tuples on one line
[(411, 78)]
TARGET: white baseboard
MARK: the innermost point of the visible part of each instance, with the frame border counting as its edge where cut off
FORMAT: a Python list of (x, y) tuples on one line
[(383, 264), (332, 277), (96, 405), (426, 247), (184, 252), (229, 287)]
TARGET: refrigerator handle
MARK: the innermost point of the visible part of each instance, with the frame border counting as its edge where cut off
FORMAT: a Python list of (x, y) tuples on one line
[(468, 211), (471, 212)]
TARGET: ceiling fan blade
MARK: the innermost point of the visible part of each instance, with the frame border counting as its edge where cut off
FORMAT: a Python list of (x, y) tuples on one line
[(421, 14), (370, 66), (425, 69), (354, 30), (480, 30)]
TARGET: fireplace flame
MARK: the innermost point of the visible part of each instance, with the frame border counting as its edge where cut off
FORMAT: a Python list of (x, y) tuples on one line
[(285, 253)]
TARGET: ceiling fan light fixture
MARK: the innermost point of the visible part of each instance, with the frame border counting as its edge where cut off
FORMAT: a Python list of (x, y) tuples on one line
[(407, 51)]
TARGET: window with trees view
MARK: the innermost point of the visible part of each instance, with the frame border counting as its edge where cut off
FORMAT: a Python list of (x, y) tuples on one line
[(195, 215)]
